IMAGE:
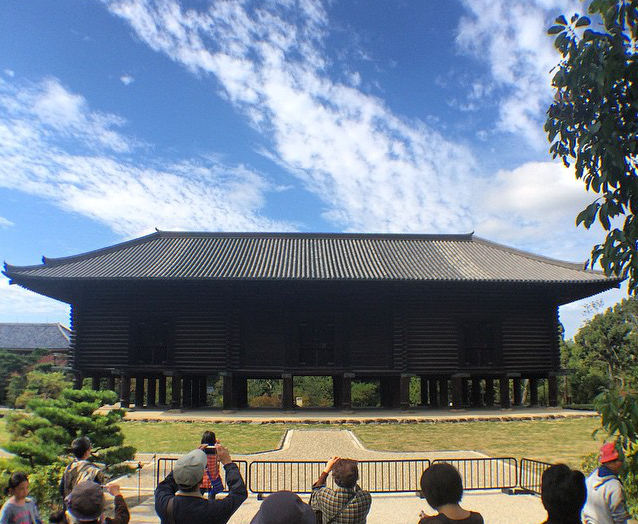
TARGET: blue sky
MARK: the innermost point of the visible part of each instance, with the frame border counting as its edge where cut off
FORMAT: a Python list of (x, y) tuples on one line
[(119, 116)]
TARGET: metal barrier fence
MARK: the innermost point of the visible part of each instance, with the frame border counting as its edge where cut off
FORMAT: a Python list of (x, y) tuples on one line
[(165, 466), (383, 476), (375, 476), (530, 474), (486, 473)]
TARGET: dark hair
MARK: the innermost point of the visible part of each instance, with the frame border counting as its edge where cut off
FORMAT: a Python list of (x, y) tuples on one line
[(209, 438), (58, 517), (441, 484), (345, 473), (15, 480), (80, 446), (563, 493)]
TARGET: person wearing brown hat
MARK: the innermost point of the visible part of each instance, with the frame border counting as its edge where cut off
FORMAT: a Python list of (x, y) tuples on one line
[(284, 507), (85, 504), (347, 503), (178, 499), (605, 498)]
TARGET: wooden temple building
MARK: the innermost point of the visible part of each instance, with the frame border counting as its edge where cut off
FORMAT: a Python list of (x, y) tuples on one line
[(462, 313)]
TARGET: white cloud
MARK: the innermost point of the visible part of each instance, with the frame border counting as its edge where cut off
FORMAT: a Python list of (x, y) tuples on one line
[(127, 79), (510, 36), (536, 205), (37, 122), (20, 305), (5, 222), (9, 72), (374, 170)]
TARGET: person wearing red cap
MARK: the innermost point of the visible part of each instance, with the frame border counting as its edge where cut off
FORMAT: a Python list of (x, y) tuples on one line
[(605, 498)]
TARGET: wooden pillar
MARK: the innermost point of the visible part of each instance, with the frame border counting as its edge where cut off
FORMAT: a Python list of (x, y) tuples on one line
[(111, 382), (78, 379), (346, 392), (241, 391), (228, 400), (337, 391), (203, 391), (187, 391), (424, 391), (504, 392), (434, 394), (489, 392), (552, 385), (465, 389), (533, 392), (476, 392), (95, 383), (152, 390), (457, 392), (161, 393), (287, 397), (125, 391), (139, 391), (391, 392), (195, 391), (404, 391), (518, 391), (176, 389), (444, 395)]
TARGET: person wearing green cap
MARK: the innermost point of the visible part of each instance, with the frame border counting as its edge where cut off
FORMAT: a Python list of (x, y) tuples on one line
[(178, 499)]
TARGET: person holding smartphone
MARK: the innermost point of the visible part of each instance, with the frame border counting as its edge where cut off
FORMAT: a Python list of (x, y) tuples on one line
[(212, 482)]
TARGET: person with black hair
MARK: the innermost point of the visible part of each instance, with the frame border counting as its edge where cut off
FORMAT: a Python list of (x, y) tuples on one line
[(19, 508), (81, 468), (442, 487), (348, 503), (563, 493), (212, 482)]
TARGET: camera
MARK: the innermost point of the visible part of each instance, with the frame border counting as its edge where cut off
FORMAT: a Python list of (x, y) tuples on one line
[(210, 450)]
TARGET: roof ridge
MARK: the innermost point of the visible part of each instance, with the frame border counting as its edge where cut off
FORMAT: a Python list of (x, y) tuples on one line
[(56, 261)]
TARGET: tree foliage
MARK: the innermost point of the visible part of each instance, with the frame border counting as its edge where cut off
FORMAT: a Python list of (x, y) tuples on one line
[(42, 434), (15, 365), (593, 123)]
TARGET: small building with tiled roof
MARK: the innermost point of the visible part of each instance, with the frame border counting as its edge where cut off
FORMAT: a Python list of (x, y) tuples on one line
[(451, 309), (24, 337)]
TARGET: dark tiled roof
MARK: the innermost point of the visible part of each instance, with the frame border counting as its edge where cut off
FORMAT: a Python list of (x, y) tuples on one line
[(303, 256), (34, 336)]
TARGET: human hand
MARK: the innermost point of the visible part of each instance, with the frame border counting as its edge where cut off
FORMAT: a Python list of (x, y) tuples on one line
[(330, 464), (113, 489), (223, 455)]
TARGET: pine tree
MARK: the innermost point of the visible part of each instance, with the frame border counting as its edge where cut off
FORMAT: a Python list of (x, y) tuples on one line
[(42, 434)]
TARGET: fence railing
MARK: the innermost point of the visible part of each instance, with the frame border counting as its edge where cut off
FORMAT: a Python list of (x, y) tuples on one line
[(486, 473), (375, 476), (165, 466), (383, 476), (530, 473)]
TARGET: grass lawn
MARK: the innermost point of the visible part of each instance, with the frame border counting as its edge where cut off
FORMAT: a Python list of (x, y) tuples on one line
[(179, 437), (566, 440), (4, 436)]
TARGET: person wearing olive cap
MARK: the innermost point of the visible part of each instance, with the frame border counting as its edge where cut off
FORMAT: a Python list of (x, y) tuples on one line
[(605, 498), (178, 499)]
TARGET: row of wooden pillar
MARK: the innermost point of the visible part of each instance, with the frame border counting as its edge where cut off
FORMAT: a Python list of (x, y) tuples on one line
[(456, 391), (477, 392)]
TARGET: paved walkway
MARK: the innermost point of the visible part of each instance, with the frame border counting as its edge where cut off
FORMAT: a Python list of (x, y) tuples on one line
[(496, 507)]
